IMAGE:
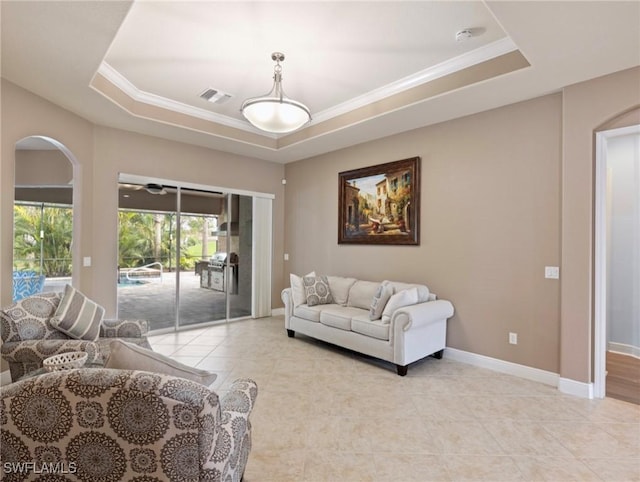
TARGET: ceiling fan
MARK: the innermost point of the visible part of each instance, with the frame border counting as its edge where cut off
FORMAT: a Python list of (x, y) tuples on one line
[(151, 188)]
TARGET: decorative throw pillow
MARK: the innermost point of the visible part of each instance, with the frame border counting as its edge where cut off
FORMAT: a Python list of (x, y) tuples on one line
[(317, 290), (398, 300), (297, 289), (78, 316), (129, 356), (380, 299), (29, 318)]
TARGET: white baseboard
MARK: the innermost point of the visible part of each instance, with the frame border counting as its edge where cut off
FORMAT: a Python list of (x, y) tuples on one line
[(624, 349), (5, 378), (509, 368), (573, 387), (277, 312)]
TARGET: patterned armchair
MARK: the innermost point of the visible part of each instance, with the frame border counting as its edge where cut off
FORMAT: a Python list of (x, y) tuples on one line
[(112, 425), (28, 337)]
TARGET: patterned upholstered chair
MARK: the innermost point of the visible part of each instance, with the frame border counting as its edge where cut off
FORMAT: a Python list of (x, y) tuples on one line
[(111, 425), (28, 337)]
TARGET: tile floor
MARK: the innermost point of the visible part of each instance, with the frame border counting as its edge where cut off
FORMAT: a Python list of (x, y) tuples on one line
[(326, 414)]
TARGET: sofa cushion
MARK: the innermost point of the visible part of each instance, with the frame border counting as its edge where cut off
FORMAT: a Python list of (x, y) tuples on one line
[(78, 316), (317, 290), (340, 288), (297, 289), (423, 291), (384, 292), (398, 300), (374, 329), (128, 356), (340, 316), (309, 313), (29, 318), (361, 294)]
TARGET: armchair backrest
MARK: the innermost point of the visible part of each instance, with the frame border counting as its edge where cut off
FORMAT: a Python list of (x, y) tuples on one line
[(112, 424), (28, 319)]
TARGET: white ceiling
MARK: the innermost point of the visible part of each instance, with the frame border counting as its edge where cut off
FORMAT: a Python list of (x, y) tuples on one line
[(133, 65)]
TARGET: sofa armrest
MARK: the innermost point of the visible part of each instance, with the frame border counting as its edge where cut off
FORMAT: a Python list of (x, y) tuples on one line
[(235, 431), (35, 351), (421, 314), (287, 299), (124, 328)]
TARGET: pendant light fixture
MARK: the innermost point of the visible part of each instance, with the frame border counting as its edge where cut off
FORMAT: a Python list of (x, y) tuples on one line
[(275, 112)]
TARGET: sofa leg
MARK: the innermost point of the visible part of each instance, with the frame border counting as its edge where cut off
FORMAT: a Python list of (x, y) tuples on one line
[(438, 355), (290, 333), (402, 370)]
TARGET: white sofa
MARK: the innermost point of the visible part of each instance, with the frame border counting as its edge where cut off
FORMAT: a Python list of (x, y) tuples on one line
[(413, 324)]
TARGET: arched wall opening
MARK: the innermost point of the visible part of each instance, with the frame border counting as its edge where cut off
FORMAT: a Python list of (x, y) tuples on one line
[(47, 209)]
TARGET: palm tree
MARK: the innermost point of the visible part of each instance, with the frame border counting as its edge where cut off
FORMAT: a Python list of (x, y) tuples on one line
[(42, 238)]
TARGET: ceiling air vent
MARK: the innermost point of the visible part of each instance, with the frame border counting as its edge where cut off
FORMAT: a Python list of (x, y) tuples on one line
[(215, 96)]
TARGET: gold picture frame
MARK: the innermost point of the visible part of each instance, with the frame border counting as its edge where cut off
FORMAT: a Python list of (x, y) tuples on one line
[(380, 204)]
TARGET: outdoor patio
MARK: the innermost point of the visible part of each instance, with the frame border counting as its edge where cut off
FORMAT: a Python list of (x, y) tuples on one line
[(154, 300)]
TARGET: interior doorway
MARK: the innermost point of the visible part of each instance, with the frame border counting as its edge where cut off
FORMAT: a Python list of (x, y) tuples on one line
[(617, 264)]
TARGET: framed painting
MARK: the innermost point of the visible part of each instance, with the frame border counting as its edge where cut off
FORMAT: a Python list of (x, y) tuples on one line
[(380, 204)]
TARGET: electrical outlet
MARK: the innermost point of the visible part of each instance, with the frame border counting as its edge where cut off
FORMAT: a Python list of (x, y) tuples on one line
[(286, 256), (552, 272), (513, 338)]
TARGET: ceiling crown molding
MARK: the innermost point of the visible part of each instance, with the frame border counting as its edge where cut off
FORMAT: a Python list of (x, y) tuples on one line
[(479, 55), (120, 81)]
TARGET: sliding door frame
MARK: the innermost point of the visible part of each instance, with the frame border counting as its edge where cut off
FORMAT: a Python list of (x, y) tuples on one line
[(261, 277)]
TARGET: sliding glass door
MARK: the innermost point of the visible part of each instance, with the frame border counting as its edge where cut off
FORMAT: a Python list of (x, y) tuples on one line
[(185, 255)]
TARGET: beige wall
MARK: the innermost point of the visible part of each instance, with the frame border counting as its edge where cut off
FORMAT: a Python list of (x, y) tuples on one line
[(119, 151), (99, 155), (490, 223), (24, 115), (505, 193), (587, 107)]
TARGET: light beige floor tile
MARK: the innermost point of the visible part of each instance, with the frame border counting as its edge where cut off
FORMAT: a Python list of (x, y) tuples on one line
[(192, 361), (616, 469), (605, 410), (410, 468), (194, 350), (325, 413), (214, 363), (167, 350), (324, 466), (626, 433), (465, 438), (275, 466), (446, 409), (401, 435), (337, 434), (586, 440), (278, 433), (490, 468), (545, 409), (518, 437), (555, 469)]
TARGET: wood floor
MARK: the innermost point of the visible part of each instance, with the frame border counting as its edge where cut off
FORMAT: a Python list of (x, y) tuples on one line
[(623, 377)]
